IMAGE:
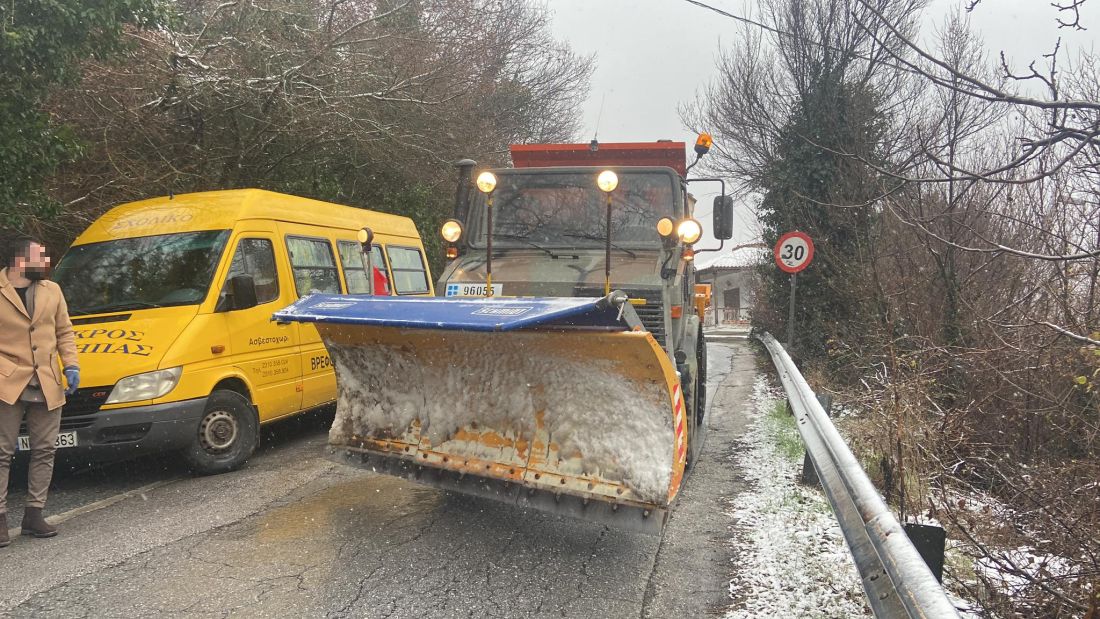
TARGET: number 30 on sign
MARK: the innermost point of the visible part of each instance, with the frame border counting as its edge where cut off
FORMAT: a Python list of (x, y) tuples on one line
[(794, 251)]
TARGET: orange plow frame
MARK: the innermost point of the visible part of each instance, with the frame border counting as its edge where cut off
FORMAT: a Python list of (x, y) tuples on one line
[(525, 427)]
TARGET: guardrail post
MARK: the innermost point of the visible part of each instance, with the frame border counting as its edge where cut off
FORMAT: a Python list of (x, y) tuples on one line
[(929, 541), (809, 473)]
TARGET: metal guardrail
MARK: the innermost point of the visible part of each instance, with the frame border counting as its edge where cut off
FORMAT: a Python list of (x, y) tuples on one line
[(895, 577)]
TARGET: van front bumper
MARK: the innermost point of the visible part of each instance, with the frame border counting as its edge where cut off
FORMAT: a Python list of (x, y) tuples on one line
[(136, 430)]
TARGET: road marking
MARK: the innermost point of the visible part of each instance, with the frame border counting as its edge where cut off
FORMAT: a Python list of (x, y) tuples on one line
[(98, 505)]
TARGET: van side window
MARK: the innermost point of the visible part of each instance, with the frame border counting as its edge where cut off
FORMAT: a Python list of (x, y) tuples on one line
[(409, 274), (355, 271), (313, 265), (256, 257)]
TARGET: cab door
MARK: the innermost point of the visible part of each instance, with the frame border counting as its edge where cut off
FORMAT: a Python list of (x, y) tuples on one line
[(268, 353), (313, 263)]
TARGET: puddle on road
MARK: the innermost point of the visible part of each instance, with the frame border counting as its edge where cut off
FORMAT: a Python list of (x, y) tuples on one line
[(368, 501), (303, 546)]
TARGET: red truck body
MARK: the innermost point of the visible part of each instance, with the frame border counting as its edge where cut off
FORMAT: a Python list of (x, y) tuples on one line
[(668, 154)]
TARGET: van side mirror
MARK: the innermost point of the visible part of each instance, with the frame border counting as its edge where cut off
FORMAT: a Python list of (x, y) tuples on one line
[(242, 293), (723, 217)]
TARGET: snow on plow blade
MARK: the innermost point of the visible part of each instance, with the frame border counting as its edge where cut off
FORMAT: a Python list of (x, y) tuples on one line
[(565, 405)]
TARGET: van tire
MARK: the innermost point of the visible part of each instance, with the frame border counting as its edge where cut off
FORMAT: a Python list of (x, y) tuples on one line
[(226, 435)]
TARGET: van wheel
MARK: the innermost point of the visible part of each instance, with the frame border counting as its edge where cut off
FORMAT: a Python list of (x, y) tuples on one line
[(225, 436)]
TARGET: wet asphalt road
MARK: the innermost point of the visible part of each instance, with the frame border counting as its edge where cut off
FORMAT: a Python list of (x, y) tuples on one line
[(293, 534)]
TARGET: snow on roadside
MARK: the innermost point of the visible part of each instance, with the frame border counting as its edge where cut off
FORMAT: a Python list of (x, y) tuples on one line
[(793, 561), (1015, 571)]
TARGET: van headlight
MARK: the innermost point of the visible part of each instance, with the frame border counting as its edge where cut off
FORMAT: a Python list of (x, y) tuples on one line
[(147, 386)]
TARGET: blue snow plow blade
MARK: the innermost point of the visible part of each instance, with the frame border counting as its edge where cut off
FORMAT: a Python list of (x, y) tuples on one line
[(464, 314)]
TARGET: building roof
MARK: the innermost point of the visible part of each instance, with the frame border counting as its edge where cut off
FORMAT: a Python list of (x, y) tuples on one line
[(739, 257)]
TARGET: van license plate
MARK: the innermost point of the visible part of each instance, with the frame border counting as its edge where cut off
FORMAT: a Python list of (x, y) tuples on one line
[(64, 439)]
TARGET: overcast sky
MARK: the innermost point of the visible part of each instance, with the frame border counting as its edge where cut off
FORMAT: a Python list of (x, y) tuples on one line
[(653, 55)]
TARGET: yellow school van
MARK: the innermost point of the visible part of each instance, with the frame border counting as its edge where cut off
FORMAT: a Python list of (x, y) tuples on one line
[(171, 301)]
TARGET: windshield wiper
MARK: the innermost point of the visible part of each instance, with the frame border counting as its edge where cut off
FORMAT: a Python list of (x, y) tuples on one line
[(523, 239), (593, 237), (114, 307)]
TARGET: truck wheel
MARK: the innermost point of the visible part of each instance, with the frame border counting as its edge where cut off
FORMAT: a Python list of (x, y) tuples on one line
[(225, 436), (701, 409), (698, 405)]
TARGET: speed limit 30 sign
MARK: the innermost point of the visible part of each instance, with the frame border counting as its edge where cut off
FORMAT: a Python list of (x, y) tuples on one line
[(794, 251)]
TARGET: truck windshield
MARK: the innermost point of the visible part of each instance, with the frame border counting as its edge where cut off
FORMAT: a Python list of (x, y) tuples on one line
[(567, 210), (149, 271)]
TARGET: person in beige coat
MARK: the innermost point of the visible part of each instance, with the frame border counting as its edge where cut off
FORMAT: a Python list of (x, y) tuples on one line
[(35, 331)]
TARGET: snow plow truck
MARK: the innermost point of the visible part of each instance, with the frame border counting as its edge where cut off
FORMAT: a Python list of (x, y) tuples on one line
[(564, 369)]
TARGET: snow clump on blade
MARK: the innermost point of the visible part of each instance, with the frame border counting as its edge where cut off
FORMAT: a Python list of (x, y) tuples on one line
[(603, 422)]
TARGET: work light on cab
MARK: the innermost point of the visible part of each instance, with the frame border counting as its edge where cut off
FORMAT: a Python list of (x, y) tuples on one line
[(607, 181), (689, 231), (451, 231), (486, 182), (365, 237)]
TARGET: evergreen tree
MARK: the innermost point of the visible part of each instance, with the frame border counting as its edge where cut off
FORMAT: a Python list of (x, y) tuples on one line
[(817, 186)]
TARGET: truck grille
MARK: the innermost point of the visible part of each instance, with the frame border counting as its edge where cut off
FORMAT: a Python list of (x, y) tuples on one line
[(653, 319)]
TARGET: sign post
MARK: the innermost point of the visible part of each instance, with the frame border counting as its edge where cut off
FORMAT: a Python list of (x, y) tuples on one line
[(793, 252), (790, 312)]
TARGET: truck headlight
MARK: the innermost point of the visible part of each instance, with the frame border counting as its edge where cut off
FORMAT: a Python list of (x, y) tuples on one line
[(665, 227), (451, 231), (689, 231), (147, 386)]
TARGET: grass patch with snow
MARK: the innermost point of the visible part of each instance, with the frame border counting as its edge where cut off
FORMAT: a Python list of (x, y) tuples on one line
[(780, 426), (792, 560)]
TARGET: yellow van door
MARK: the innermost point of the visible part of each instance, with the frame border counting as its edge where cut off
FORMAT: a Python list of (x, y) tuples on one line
[(267, 352), (314, 266)]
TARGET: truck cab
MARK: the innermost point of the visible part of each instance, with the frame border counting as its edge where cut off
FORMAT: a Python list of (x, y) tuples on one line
[(556, 232)]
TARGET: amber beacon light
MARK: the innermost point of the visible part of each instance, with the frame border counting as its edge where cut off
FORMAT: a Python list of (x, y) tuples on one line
[(703, 144)]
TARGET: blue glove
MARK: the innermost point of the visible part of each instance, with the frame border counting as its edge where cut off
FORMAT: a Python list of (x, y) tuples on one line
[(72, 376)]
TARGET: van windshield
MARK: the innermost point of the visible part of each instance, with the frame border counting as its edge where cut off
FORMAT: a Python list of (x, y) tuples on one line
[(149, 271)]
